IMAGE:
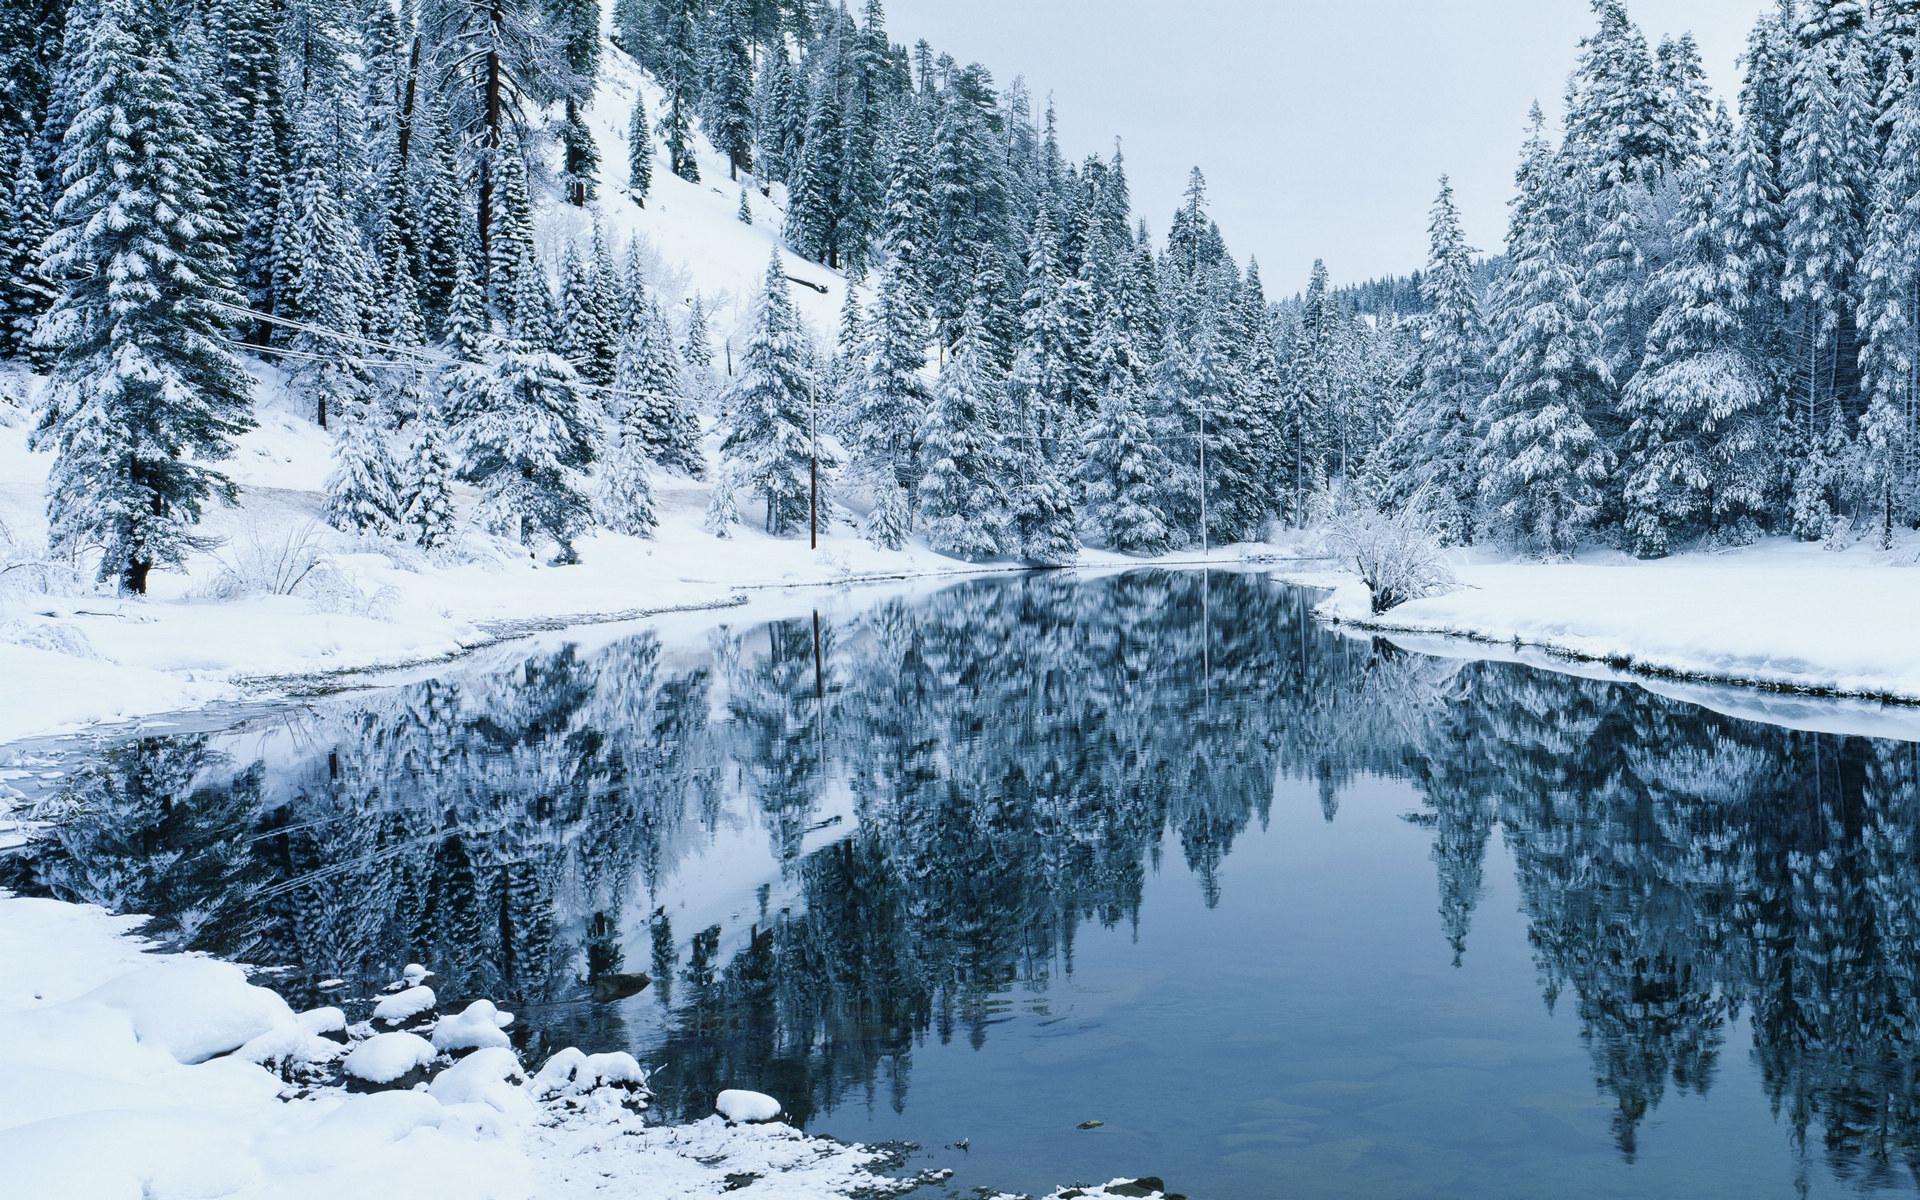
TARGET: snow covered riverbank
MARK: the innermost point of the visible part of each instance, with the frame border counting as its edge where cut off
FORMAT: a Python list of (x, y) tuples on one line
[(127, 1073), (281, 595), (1781, 615)]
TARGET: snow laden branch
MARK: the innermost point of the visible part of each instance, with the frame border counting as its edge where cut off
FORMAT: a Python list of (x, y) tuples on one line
[(1396, 554)]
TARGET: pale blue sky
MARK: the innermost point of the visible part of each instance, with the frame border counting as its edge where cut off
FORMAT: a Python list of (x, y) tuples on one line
[(1322, 125)]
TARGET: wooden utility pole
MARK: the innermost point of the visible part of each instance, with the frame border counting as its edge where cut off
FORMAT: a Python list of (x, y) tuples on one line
[(1203, 474), (813, 468)]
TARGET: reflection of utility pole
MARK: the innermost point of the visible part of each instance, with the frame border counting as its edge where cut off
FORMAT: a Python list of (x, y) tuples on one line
[(1206, 637), (819, 663)]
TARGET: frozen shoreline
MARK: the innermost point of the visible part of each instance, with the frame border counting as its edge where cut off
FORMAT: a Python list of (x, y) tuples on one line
[(1778, 616)]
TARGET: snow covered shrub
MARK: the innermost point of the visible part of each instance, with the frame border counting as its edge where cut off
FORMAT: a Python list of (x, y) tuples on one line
[(1397, 555), (27, 569), (14, 407), (262, 563)]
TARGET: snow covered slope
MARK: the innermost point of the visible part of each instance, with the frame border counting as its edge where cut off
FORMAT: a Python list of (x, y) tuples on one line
[(692, 232)]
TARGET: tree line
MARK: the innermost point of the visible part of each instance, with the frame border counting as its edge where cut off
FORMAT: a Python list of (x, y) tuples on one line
[(349, 191)]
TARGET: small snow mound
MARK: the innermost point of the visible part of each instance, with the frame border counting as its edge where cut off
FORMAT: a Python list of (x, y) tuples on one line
[(194, 1008), (746, 1107), (572, 1073), (479, 1026), (383, 1116), (386, 1057), (290, 1044), (404, 1006), (490, 1077), (413, 973), (319, 1021)]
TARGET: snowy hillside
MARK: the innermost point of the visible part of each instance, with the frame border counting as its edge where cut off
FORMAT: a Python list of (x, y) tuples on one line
[(692, 231)]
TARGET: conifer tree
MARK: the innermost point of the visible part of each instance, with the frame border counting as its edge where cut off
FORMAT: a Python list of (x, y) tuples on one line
[(639, 151), (25, 291), (363, 490), (647, 386), (1452, 380), (633, 28), (780, 119), (1889, 319), (626, 491), (768, 423), (728, 98), (426, 483), (1042, 515), (1695, 403), (696, 354), (889, 399), (527, 440), (324, 287), (679, 75), (576, 25), (964, 507), (1541, 465), (890, 523), (440, 205), (1121, 473), (143, 393), (814, 207)]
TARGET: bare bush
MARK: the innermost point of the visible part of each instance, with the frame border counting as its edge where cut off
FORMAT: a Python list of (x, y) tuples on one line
[(27, 569), (258, 562), (1396, 554)]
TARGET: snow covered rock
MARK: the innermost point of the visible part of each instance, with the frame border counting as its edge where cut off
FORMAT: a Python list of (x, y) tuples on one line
[(490, 1077), (746, 1107), (386, 1059), (413, 974), (194, 1008), (479, 1026), (402, 1007), (572, 1073), (322, 1021), (290, 1045)]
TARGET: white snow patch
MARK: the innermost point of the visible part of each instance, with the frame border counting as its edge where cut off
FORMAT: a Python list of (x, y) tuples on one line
[(737, 1105), (385, 1057), (477, 1027), (404, 1005)]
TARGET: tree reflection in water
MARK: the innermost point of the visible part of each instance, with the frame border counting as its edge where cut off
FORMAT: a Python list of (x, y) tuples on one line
[(1016, 756)]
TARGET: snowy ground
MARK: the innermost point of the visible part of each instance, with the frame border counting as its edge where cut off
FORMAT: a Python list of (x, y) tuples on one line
[(1779, 614)]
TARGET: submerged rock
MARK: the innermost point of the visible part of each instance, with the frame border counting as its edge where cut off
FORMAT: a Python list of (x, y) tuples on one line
[(608, 988)]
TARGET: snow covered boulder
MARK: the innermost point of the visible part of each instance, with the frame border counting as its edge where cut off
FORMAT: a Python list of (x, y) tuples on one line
[(388, 1060), (571, 1073), (479, 1026), (194, 1008), (413, 974), (288, 1048), (404, 1006), (491, 1077), (742, 1107), (323, 1022)]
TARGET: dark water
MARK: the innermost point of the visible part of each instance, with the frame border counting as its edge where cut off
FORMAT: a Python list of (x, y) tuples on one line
[(1292, 914)]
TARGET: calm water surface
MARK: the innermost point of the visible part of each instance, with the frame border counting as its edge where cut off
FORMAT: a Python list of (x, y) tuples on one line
[(1291, 914)]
